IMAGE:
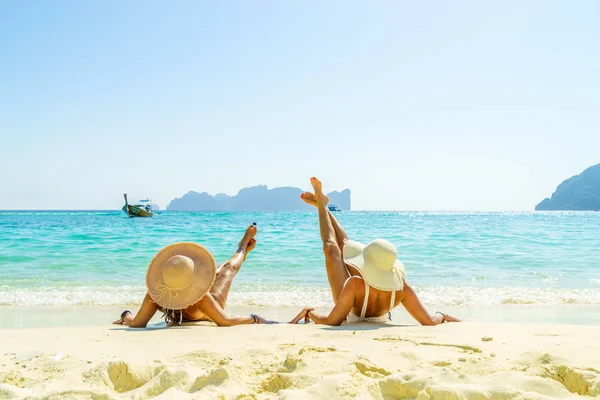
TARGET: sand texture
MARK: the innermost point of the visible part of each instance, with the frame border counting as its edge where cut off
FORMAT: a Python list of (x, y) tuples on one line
[(452, 361)]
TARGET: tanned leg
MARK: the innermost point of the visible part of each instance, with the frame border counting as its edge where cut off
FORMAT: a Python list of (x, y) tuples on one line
[(220, 289), (337, 274), (340, 233)]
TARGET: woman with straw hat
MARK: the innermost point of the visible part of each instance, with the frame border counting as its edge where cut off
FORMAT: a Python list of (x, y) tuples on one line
[(367, 282), (184, 283)]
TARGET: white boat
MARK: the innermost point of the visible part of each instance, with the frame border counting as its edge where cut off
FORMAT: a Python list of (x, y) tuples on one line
[(333, 207)]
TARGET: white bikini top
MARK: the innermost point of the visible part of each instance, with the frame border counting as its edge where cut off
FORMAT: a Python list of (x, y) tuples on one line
[(380, 319)]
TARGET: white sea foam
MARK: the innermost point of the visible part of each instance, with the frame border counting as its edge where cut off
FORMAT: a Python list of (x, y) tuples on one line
[(68, 296), (295, 296)]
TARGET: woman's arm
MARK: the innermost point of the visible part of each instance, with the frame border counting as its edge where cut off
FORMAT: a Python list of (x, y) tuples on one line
[(341, 309), (143, 316), (213, 310), (303, 315), (413, 305)]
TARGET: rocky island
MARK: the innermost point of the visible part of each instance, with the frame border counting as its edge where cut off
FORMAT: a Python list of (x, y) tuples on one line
[(256, 198), (578, 193)]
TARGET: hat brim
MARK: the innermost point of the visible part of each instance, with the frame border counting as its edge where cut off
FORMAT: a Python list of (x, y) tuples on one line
[(205, 272), (390, 280)]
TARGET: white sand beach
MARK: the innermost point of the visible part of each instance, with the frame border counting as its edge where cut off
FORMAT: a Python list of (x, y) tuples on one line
[(451, 361)]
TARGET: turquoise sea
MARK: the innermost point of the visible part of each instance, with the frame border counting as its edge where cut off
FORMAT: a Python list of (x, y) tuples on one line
[(452, 259)]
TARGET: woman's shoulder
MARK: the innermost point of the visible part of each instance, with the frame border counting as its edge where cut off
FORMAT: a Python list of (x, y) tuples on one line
[(355, 282)]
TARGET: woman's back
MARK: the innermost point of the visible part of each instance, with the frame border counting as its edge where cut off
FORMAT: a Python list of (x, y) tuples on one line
[(370, 303)]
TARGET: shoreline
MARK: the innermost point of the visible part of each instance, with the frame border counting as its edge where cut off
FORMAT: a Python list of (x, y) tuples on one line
[(24, 317), (468, 360)]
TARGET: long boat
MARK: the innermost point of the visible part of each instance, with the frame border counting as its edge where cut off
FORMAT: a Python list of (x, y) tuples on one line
[(143, 209)]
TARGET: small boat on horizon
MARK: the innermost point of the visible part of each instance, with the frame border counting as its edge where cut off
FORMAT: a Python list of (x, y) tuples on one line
[(143, 209), (333, 207)]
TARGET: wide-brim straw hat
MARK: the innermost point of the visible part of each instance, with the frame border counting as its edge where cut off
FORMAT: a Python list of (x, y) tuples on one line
[(180, 275), (377, 263)]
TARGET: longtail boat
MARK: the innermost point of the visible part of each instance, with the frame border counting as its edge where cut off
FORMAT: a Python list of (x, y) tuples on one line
[(143, 209)]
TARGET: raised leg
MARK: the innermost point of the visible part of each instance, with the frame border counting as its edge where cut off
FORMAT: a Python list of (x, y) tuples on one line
[(337, 274), (227, 271), (340, 233)]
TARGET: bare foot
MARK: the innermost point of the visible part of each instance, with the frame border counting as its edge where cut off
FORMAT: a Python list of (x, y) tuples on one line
[(318, 186), (250, 233), (251, 246), (246, 245), (310, 199)]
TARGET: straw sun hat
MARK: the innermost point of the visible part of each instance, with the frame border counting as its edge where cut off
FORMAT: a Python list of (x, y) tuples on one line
[(377, 263), (180, 274)]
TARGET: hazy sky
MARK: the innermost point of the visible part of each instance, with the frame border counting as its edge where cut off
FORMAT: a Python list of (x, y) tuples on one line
[(462, 105)]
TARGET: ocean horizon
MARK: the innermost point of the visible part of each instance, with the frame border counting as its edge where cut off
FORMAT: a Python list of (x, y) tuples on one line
[(112, 210)]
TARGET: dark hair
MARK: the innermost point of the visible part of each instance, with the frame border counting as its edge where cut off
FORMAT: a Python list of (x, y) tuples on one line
[(173, 317)]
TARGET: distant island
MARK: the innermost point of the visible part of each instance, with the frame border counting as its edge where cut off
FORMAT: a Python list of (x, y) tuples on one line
[(256, 198), (578, 193)]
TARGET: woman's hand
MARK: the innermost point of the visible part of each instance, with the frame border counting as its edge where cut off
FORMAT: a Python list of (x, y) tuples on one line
[(121, 321), (261, 320), (302, 315), (447, 317)]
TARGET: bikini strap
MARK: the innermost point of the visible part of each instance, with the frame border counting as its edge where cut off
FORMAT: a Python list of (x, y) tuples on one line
[(364, 309)]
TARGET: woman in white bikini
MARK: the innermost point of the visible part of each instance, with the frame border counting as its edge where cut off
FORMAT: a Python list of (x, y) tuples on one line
[(366, 282)]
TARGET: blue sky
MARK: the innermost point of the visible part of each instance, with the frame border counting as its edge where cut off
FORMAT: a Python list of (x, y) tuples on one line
[(463, 105)]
